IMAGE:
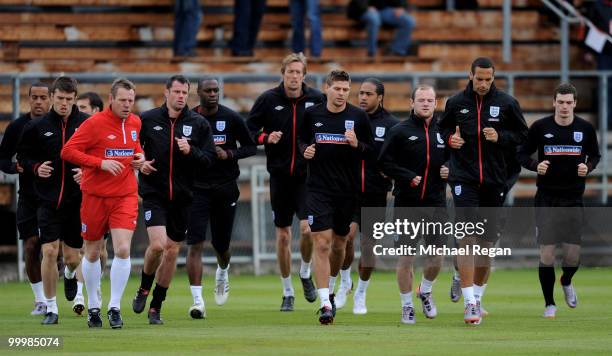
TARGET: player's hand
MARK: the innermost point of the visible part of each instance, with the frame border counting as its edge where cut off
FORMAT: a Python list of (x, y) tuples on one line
[(415, 181), (583, 169), (138, 160), (490, 134), (543, 167), (274, 137), (44, 170), (18, 167), (221, 153), (309, 152), (183, 145), (147, 167), (351, 138), (112, 167), (456, 141), (78, 173), (444, 172)]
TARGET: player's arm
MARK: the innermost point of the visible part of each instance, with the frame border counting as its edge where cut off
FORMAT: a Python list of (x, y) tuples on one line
[(514, 132), (592, 150), (256, 121), (203, 152), (365, 140), (527, 149), (388, 158), (448, 123), (74, 149), (248, 147), (28, 154), (8, 148)]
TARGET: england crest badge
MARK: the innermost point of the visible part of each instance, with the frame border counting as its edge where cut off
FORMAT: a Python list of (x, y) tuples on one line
[(220, 125), (134, 135), (494, 111), (349, 124), (380, 131), (187, 130), (578, 136)]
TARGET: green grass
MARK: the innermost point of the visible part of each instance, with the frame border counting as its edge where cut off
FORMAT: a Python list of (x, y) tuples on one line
[(250, 322)]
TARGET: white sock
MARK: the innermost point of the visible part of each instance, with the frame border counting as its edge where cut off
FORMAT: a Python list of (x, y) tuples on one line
[(406, 299), (479, 291), (39, 294), (119, 275), (287, 287), (305, 269), (221, 274), (332, 283), (68, 273), (362, 286), (324, 297), (456, 275), (345, 277), (196, 293), (468, 295), (79, 289), (91, 275), (426, 285), (52, 305)]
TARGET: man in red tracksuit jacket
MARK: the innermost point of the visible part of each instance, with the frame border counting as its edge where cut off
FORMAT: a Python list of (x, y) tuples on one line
[(108, 150)]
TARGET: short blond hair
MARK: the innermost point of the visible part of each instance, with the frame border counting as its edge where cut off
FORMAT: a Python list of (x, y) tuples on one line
[(422, 87), (293, 57), (121, 83)]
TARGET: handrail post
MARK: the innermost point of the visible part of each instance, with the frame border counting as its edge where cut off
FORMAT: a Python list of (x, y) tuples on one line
[(507, 39), (564, 50)]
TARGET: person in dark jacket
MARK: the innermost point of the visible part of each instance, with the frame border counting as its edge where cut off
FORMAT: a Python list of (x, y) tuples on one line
[(274, 121), (216, 194), (392, 13), (480, 124), (58, 192), (335, 137), (567, 151), (27, 222), (373, 193), (178, 145), (414, 156)]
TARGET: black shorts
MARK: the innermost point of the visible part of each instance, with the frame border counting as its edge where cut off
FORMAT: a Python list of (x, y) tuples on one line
[(325, 211), (559, 219), (174, 215), (429, 211), (62, 224), (369, 200), (288, 197), (27, 219), (472, 203), (218, 206)]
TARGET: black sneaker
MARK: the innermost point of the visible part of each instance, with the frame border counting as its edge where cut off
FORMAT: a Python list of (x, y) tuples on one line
[(287, 304), (70, 288), (332, 300), (114, 318), (310, 292), (155, 316), (140, 300), (50, 318), (93, 318), (326, 316)]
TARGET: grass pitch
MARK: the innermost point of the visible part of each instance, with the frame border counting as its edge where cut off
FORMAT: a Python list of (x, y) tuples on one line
[(250, 322)]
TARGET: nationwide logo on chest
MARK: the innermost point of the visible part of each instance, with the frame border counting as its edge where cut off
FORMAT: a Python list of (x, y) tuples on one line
[(219, 139), (562, 150), (349, 124), (335, 139), (578, 136), (186, 130), (494, 111), (220, 125), (118, 152), (134, 135)]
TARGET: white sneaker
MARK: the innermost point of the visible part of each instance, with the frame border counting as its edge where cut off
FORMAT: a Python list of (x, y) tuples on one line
[(408, 315), (197, 310), (570, 295), (342, 295), (550, 311), (222, 291), (40, 308), (79, 304), (359, 304)]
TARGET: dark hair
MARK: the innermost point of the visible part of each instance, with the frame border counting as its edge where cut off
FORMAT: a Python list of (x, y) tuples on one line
[(482, 62), (38, 85), (121, 83), (380, 87), (95, 101), (566, 88), (206, 79), (65, 84), (337, 75), (177, 78)]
